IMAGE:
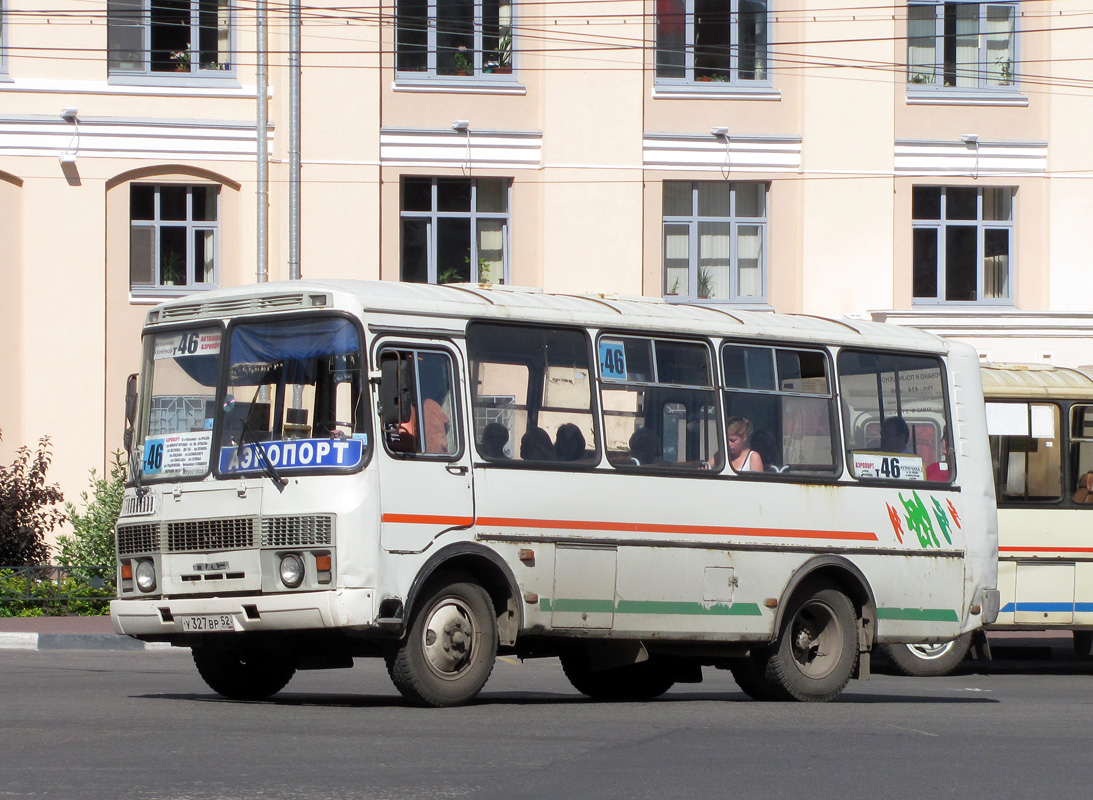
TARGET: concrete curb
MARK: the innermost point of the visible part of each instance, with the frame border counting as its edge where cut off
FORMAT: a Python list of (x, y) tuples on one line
[(75, 641)]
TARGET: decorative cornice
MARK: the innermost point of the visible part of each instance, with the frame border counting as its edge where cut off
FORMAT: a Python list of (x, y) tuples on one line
[(721, 153), (994, 323), (471, 148), (970, 158)]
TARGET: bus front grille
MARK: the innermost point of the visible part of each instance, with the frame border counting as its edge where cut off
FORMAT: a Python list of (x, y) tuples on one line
[(142, 538), (210, 534), (297, 531)]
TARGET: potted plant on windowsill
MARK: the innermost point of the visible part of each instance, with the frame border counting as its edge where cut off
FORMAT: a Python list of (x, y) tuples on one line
[(705, 284), (504, 55), (464, 65), (172, 268), (182, 59)]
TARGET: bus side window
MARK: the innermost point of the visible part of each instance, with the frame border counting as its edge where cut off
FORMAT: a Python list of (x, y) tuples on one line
[(1025, 446), (1081, 445), (417, 402), (785, 393)]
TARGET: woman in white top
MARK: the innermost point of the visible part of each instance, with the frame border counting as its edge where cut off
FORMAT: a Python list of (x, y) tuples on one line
[(741, 456)]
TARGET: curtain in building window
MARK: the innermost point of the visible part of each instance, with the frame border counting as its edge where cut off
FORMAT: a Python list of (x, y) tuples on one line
[(714, 260), (677, 245), (967, 44), (1000, 32), (749, 260), (491, 250), (996, 264), (921, 43), (125, 35)]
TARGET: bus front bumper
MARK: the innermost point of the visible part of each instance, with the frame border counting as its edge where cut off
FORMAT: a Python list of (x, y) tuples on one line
[(176, 618)]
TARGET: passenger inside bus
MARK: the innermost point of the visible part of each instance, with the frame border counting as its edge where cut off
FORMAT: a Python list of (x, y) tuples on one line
[(569, 443), (535, 445), (940, 470), (743, 458), (894, 434), (494, 438), (644, 447)]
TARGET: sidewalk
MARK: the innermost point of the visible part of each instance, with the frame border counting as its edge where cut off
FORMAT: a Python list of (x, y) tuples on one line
[(65, 633)]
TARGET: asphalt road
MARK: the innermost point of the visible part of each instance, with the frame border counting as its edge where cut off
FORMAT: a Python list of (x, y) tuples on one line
[(83, 724)]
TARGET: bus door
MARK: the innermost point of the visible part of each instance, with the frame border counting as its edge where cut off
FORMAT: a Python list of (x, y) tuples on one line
[(425, 470)]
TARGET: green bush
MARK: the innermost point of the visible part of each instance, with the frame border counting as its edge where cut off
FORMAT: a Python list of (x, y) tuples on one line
[(93, 541), (27, 507), (55, 591)]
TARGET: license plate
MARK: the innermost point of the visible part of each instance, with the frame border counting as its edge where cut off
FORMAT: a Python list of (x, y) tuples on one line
[(208, 622)]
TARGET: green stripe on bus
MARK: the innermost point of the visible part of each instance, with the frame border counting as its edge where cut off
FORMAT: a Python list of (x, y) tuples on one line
[(919, 614), (650, 607)]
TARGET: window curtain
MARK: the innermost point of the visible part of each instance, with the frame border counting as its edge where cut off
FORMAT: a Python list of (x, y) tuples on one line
[(749, 260), (1000, 36), (967, 44), (921, 44)]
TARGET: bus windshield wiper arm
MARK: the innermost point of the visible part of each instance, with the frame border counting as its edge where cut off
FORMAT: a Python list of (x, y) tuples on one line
[(260, 454)]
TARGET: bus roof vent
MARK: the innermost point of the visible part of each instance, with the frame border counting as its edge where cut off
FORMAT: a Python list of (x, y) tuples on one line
[(233, 306)]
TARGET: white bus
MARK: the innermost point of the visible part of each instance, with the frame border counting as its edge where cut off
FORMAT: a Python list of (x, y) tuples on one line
[(436, 475), (1040, 422)]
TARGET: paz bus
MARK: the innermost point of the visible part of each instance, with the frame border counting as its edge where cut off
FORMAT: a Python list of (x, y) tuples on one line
[(436, 475), (1040, 423)]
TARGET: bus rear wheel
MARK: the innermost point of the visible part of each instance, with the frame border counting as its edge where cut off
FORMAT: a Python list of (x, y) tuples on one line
[(642, 681), (817, 648), (243, 674), (929, 660), (449, 653), (750, 674)]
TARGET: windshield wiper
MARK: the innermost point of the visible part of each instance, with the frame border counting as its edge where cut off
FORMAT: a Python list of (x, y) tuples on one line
[(260, 453)]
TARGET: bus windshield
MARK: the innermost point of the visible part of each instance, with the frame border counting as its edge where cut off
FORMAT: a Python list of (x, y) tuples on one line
[(294, 388), (180, 379)]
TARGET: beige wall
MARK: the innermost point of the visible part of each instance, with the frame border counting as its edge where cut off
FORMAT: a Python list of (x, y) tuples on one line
[(584, 217)]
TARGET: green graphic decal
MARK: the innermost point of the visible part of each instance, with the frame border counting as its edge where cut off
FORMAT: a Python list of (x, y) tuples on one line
[(942, 520), (919, 614), (918, 520)]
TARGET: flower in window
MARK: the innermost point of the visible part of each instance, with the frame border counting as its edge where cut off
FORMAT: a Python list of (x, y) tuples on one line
[(461, 60)]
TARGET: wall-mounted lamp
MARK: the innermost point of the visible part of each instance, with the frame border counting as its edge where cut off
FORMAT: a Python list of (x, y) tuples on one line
[(461, 125), (969, 138), (69, 155), (69, 114), (718, 131)]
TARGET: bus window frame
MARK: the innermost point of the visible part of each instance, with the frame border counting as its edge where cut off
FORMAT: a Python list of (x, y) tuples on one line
[(714, 378), (448, 348), (536, 392), (1066, 465), (943, 380), (832, 396)]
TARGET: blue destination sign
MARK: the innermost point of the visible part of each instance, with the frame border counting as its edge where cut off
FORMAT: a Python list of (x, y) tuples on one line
[(296, 454)]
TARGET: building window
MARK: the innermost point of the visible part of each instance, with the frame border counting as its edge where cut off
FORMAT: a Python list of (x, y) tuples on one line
[(155, 37), (449, 38), (715, 237), (711, 41), (455, 230), (173, 237), (963, 243), (961, 45)]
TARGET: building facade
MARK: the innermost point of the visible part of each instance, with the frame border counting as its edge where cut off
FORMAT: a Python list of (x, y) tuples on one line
[(924, 163)]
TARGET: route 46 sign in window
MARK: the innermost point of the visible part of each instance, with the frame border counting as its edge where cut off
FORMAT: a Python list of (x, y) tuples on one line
[(903, 467)]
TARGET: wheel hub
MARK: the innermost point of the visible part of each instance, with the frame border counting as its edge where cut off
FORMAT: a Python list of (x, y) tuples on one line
[(449, 639)]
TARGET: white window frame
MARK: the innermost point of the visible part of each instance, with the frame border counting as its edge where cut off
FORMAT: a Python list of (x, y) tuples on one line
[(494, 64), (943, 224), (712, 78), (940, 76), (693, 221), (126, 62), (473, 216), (191, 226)]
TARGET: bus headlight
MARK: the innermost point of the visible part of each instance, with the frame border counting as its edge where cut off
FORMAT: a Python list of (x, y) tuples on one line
[(292, 570), (146, 576)]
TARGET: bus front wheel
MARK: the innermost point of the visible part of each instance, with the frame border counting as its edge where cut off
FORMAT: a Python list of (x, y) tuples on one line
[(449, 653), (929, 660), (817, 648), (242, 675)]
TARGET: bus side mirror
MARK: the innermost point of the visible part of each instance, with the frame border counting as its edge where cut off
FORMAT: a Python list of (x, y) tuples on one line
[(130, 410)]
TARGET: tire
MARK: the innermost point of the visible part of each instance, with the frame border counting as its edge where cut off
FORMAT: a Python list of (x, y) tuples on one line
[(642, 681), (451, 647), (817, 648), (750, 674), (243, 675), (929, 660)]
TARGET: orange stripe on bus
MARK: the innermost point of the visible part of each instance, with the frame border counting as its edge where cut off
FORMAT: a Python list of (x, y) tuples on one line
[(629, 527), (428, 519)]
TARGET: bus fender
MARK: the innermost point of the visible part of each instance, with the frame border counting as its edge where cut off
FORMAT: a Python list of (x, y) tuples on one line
[(846, 576), (489, 570)]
